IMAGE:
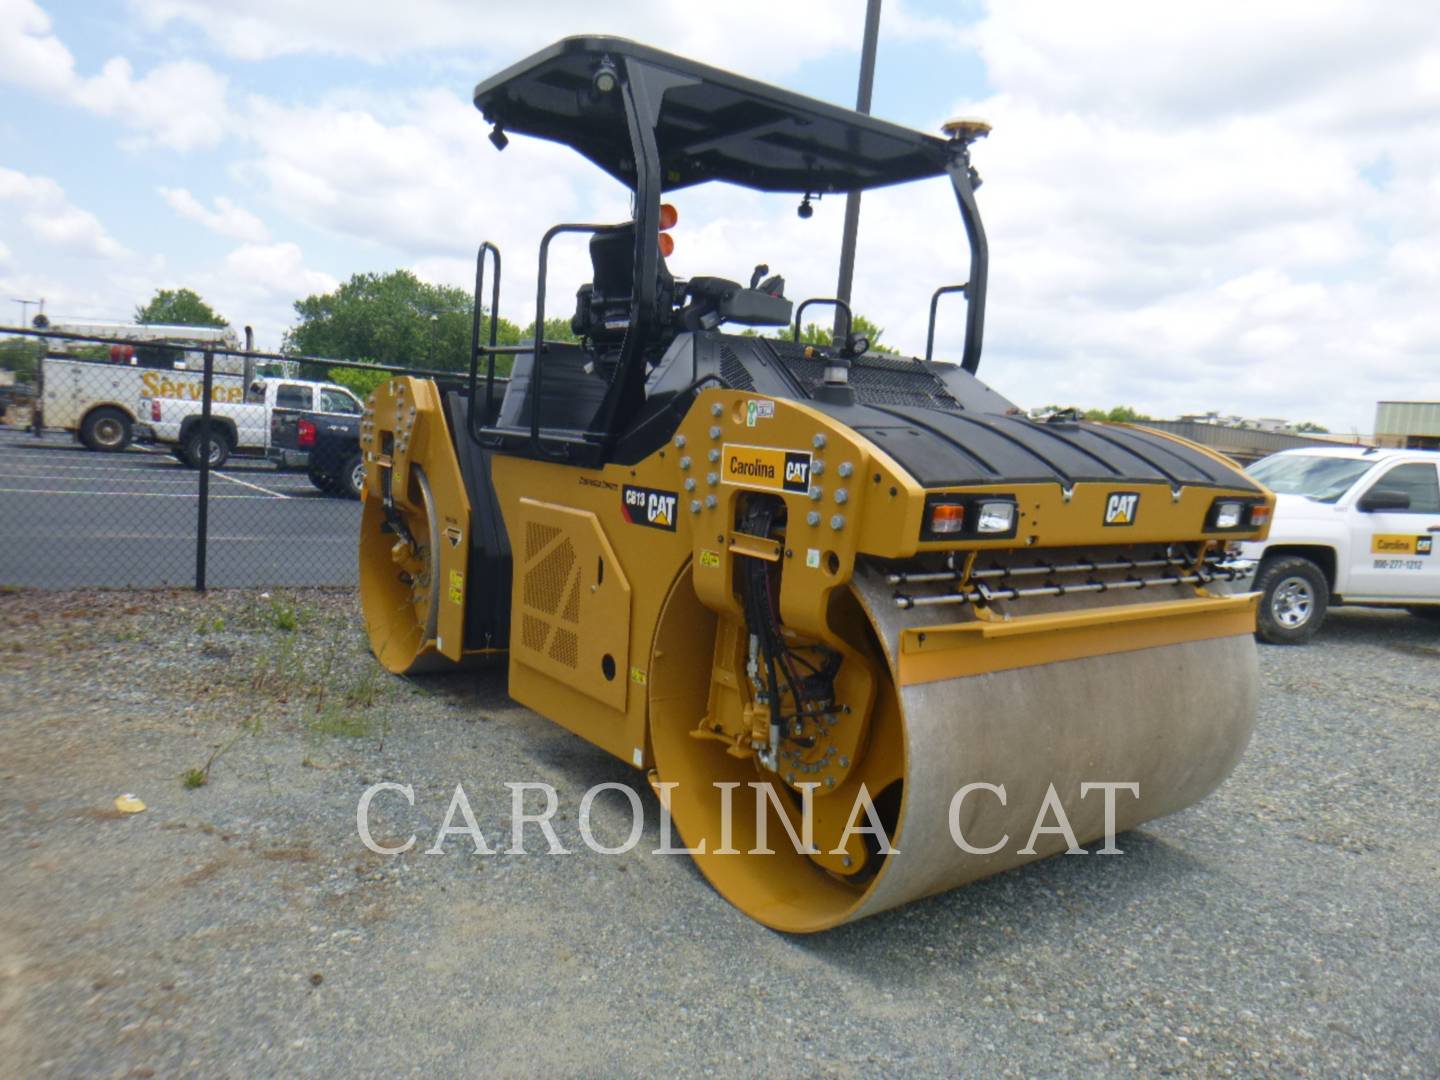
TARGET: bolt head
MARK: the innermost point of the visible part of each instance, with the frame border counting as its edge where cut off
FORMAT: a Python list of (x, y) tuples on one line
[(815, 493), (679, 442), (846, 468), (813, 518), (837, 522), (685, 462), (842, 496), (714, 455), (715, 432), (712, 478), (710, 502), (694, 506), (689, 483), (715, 409), (818, 442), (817, 467)]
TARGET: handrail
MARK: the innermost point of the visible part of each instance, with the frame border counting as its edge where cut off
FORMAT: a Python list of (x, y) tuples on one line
[(934, 305), (475, 335), (539, 345), (835, 301)]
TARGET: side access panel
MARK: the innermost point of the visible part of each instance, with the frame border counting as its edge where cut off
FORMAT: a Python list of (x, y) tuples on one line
[(571, 607)]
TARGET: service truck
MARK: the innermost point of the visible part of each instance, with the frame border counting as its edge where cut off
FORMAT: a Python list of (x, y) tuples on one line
[(101, 399), (1353, 525)]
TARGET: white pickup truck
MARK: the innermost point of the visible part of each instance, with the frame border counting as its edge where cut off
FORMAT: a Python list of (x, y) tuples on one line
[(1352, 525), (238, 425)]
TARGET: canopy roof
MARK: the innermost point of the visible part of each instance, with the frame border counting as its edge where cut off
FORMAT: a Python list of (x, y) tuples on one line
[(713, 125)]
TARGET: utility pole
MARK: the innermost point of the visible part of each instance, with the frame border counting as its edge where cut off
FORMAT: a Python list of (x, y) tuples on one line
[(25, 306), (852, 199)]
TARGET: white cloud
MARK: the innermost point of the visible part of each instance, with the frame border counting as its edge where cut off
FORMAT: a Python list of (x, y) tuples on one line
[(179, 105), (785, 36), (423, 186), (275, 269), (52, 219), (1232, 207), (1180, 215), (258, 283), (29, 55), (227, 219)]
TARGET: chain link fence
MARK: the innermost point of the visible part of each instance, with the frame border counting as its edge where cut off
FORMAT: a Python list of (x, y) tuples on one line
[(129, 463)]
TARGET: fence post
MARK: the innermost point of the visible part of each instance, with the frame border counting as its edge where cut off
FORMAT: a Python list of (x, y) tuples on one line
[(202, 527)]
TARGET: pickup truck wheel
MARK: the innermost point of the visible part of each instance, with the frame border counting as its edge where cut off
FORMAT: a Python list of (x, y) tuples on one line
[(219, 449), (106, 429), (1294, 597), (1430, 612), (322, 481), (353, 477)]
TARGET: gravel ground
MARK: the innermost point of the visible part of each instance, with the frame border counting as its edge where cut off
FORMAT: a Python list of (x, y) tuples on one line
[(1289, 925)]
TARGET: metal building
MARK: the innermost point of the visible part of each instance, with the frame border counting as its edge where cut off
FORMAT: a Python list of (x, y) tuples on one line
[(1243, 444), (1411, 425)]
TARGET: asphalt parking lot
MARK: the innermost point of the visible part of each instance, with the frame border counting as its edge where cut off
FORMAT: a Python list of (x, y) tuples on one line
[(72, 517), (1287, 925)]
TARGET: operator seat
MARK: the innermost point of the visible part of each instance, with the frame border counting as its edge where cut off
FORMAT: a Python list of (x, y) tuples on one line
[(602, 307), (575, 377)]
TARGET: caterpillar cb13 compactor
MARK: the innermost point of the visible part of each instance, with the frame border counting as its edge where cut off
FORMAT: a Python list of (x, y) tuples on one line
[(729, 557)]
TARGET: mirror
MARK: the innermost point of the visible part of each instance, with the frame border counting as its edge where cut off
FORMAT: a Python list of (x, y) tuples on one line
[(1378, 500)]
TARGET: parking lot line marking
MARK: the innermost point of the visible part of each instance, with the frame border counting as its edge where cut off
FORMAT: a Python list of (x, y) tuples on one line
[(72, 476), (189, 536), (92, 493), (151, 474), (246, 483), (85, 473)]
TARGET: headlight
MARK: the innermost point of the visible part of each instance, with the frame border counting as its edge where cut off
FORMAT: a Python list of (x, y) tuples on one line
[(955, 516), (1228, 515), (995, 517)]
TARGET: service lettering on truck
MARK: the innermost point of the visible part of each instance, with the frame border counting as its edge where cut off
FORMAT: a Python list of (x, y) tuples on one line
[(767, 467), (156, 385)]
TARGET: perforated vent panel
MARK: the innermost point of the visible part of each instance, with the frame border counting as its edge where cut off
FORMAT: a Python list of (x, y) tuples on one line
[(570, 615), (733, 371), (878, 380), (551, 582)]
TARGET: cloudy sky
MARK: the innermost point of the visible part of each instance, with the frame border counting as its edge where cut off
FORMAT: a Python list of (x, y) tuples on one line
[(1230, 206)]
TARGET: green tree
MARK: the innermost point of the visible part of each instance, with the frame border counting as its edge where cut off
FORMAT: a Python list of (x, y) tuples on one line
[(356, 380), (179, 307), (1312, 428), (22, 356), (392, 319), (1120, 414), (557, 329)]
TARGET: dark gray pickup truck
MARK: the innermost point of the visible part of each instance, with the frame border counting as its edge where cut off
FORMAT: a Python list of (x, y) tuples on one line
[(326, 445)]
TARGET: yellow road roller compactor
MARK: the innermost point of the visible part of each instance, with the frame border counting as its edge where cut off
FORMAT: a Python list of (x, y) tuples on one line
[(731, 558)]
